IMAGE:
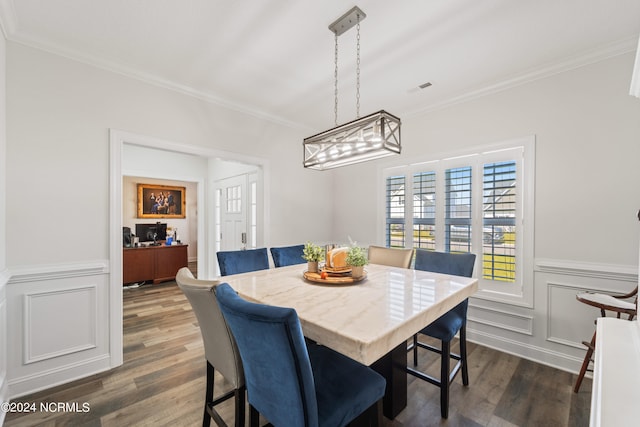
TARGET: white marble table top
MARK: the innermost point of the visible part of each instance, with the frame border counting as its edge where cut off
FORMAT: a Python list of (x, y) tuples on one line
[(365, 320)]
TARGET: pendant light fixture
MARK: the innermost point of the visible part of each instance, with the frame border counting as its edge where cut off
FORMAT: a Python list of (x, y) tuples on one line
[(365, 138)]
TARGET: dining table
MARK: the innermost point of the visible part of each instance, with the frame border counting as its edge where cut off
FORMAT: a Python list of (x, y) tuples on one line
[(369, 319)]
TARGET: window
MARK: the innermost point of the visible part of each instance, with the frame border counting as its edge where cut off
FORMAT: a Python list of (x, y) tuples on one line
[(234, 199), (499, 221), (424, 210), (218, 225), (395, 236), (253, 215), (473, 202), (457, 218)]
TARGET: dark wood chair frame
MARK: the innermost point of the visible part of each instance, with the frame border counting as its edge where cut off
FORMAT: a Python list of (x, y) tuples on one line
[(631, 313), (447, 375), (210, 403)]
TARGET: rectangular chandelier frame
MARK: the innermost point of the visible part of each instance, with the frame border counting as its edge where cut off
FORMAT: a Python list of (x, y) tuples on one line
[(371, 137)]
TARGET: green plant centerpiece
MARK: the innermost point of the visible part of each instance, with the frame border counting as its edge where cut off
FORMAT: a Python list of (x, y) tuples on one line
[(357, 259), (313, 254)]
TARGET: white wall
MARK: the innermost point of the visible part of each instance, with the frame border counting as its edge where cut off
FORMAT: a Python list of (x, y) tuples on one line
[(587, 130), (59, 114), (4, 273)]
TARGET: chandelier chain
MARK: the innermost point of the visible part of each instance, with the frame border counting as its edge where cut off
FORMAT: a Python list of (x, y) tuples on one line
[(335, 87), (358, 69)]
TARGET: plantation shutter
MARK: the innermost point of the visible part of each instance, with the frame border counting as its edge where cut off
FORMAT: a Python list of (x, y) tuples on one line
[(499, 221), (395, 208), (458, 212), (424, 210)]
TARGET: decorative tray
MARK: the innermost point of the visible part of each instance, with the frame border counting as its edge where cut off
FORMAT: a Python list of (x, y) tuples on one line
[(337, 269), (344, 278)]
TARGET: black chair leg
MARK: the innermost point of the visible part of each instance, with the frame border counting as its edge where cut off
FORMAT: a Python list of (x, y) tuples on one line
[(463, 355), (240, 406), (415, 349), (210, 403), (206, 420), (254, 416), (444, 379)]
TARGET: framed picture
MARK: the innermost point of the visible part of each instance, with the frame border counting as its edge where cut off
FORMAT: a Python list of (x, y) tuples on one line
[(161, 201)]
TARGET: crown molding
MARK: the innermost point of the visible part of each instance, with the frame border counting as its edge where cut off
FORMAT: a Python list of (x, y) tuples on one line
[(9, 26), (602, 53), (8, 22)]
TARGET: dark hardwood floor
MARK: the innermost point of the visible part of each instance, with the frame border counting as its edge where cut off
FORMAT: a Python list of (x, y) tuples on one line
[(161, 382)]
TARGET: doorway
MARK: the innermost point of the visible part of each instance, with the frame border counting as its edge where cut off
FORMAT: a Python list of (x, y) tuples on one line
[(236, 212), (188, 163)]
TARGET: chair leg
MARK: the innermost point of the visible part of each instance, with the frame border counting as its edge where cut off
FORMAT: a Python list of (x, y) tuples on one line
[(463, 355), (585, 363), (206, 420), (210, 403), (415, 349), (254, 416), (240, 406), (445, 358), (371, 417), (446, 376), (378, 418)]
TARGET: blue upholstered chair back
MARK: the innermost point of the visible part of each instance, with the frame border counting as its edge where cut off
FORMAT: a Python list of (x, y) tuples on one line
[(236, 262), (278, 372), (447, 325), (445, 262), (287, 255)]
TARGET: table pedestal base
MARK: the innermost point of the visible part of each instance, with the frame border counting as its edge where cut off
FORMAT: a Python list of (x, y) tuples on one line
[(392, 367)]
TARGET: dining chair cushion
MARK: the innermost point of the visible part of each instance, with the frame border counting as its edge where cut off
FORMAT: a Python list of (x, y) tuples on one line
[(289, 383), (287, 255), (236, 262), (447, 326)]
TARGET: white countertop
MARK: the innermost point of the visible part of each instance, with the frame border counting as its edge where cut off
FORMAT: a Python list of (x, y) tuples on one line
[(616, 379), (365, 320)]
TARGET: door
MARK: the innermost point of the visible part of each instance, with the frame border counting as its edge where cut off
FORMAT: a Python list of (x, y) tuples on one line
[(233, 211)]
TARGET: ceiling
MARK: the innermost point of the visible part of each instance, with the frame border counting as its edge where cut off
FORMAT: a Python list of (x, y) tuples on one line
[(275, 58)]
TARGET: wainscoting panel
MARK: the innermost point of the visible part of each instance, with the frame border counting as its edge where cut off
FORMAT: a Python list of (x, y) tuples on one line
[(566, 316), (51, 329), (501, 318), (553, 330), (59, 317)]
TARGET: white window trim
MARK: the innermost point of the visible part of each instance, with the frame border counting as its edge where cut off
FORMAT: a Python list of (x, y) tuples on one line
[(522, 293)]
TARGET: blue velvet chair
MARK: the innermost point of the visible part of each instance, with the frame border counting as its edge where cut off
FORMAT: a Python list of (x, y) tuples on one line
[(287, 255), (292, 382), (236, 262), (446, 326)]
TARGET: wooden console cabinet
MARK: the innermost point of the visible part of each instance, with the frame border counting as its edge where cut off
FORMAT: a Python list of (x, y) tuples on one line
[(157, 263)]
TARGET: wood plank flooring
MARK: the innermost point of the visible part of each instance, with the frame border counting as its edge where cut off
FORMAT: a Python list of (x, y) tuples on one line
[(161, 382)]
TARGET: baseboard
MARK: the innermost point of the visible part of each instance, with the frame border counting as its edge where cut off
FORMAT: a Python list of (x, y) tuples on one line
[(534, 353), (46, 379)]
